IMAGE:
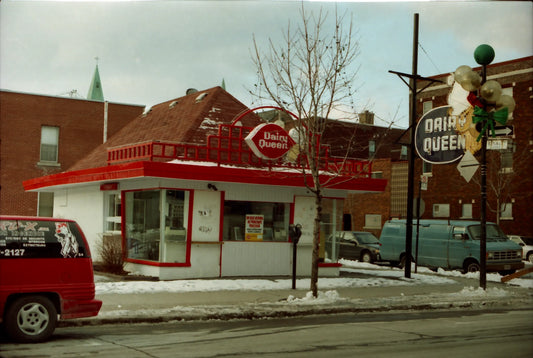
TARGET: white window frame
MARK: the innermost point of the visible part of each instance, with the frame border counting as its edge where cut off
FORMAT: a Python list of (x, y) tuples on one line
[(49, 137)]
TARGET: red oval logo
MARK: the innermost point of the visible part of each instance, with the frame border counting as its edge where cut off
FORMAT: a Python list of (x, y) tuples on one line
[(269, 141)]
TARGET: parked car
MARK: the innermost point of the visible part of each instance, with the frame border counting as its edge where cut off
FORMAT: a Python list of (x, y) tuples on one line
[(45, 271), (451, 244), (354, 245), (527, 246)]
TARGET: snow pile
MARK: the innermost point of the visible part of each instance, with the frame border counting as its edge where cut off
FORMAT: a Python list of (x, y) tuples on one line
[(322, 298)]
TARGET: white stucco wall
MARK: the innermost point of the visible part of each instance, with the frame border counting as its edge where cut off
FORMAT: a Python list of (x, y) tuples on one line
[(209, 257), (85, 205)]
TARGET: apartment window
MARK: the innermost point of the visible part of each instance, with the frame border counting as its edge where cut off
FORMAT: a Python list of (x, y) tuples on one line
[(427, 167), (506, 161), (46, 204), (403, 153), (466, 211), (372, 221), (49, 144), (441, 210), (506, 211), (371, 148), (427, 106)]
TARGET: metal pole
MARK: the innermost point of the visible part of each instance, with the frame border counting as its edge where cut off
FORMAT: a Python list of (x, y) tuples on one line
[(294, 265), (417, 223), (411, 168), (483, 214)]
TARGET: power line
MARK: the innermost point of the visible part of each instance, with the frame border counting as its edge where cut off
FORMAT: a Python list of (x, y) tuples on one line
[(429, 58)]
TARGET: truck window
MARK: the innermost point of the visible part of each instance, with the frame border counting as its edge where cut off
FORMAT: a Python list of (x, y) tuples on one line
[(41, 239)]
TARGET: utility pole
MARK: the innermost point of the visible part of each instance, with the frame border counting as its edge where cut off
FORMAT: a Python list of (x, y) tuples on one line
[(411, 153)]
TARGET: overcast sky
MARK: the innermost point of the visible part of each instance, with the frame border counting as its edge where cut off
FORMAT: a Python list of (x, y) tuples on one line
[(153, 51)]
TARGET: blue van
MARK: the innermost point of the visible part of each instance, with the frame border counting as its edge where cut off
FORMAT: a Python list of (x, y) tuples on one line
[(451, 244)]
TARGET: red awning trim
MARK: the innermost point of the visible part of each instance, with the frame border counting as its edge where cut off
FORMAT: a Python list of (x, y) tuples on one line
[(184, 171)]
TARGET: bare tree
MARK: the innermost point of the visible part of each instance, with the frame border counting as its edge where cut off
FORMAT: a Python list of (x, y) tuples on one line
[(502, 181), (311, 74)]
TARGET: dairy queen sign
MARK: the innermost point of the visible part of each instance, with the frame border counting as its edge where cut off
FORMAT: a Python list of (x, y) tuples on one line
[(269, 141), (436, 138)]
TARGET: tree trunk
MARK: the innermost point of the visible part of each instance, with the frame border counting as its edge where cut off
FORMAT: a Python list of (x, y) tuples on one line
[(316, 244)]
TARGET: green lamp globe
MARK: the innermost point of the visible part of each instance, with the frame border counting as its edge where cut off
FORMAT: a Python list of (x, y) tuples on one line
[(484, 54)]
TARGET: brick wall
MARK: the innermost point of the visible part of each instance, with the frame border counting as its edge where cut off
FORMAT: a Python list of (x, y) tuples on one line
[(80, 125)]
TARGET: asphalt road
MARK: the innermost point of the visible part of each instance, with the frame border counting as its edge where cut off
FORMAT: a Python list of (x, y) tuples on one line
[(497, 333)]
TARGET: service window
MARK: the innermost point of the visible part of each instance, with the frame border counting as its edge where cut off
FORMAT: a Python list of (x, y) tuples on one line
[(40, 239), (255, 221)]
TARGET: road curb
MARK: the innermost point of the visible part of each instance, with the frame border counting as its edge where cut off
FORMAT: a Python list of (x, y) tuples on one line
[(265, 311)]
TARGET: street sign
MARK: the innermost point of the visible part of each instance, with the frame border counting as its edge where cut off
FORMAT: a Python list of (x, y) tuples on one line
[(468, 166), (424, 182), (497, 143), (503, 130)]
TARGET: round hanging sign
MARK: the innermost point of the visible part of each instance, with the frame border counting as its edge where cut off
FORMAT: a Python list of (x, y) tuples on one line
[(436, 138)]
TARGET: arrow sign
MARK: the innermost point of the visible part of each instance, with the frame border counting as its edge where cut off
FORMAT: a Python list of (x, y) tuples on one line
[(504, 130)]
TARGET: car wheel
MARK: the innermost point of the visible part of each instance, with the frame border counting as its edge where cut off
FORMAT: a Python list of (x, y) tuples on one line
[(530, 257), (31, 319), (366, 257), (471, 266)]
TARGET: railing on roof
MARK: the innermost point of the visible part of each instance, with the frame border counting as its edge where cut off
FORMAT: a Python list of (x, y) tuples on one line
[(228, 147)]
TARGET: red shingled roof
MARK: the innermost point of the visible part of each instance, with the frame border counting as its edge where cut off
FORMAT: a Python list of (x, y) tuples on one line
[(189, 119)]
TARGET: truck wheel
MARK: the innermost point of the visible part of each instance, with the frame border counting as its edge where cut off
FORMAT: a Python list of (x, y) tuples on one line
[(530, 257), (471, 266), (31, 319)]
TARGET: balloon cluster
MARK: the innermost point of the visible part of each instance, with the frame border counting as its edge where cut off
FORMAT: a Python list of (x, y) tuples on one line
[(490, 92)]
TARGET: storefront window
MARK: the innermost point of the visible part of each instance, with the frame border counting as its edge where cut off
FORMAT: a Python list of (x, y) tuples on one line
[(113, 214), (256, 221), (156, 225)]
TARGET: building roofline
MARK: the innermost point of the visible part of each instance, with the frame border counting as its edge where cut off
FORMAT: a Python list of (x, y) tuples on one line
[(492, 65), (69, 98)]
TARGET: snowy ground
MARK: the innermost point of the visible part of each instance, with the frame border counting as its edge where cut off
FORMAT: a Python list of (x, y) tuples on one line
[(382, 276), (329, 300)]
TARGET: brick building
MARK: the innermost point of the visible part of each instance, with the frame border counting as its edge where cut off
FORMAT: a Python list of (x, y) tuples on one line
[(42, 135), (448, 194)]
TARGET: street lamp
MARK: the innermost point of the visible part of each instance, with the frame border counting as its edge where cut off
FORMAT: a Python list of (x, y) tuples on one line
[(490, 106)]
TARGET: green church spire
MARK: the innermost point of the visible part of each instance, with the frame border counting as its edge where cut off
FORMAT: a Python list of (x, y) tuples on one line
[(95, 91)]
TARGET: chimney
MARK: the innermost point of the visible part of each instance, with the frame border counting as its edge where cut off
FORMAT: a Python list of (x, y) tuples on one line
[(366, 117)]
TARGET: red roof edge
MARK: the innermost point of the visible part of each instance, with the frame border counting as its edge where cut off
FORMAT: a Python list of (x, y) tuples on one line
[(186, 171)]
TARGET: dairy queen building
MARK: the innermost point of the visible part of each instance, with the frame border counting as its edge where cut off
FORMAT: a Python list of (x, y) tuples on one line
[(200, 187)]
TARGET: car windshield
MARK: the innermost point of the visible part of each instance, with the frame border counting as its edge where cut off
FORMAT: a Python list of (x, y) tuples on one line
[(366, 238), (494, 233)]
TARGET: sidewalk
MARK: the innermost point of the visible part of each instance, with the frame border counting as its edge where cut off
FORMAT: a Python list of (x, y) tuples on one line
[(249, 298)]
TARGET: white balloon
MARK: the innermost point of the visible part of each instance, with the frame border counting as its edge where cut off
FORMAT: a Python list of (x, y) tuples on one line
[(491, 91), (461, 72), (506, 101), (471, 81)]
